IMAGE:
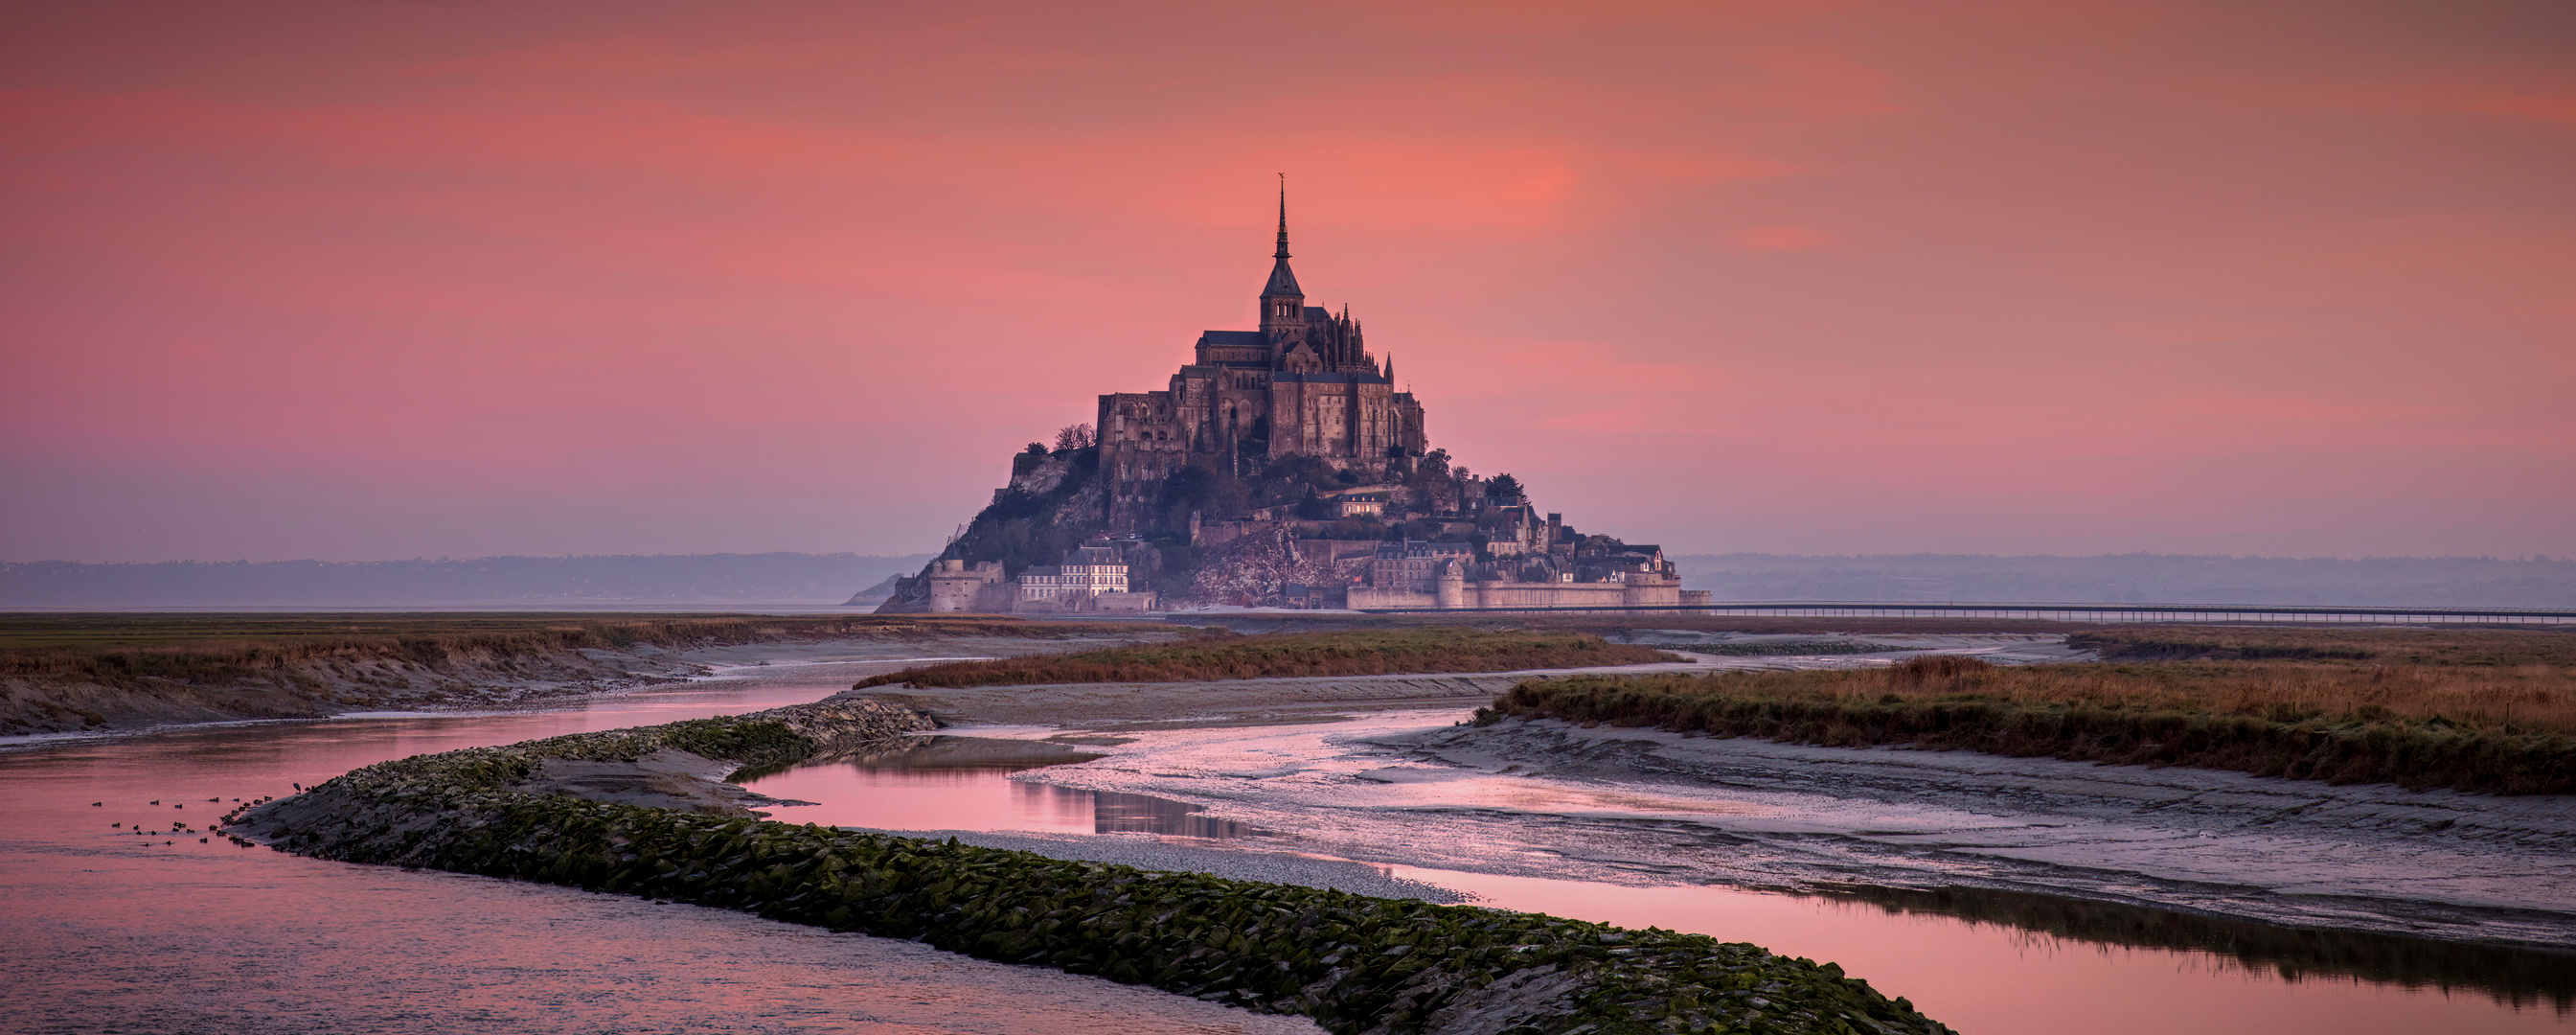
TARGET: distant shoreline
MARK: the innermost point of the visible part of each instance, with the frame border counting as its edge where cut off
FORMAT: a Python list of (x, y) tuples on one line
[(94, 673), (769, 581)]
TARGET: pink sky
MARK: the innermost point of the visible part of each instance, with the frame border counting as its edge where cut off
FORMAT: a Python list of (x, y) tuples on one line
[(355, 281)]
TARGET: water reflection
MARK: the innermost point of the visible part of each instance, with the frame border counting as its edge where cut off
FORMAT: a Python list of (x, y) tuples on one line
[(963, 783), (2000, 979), (2523, 978), (204, 937), (1114, 813), (102, 930)]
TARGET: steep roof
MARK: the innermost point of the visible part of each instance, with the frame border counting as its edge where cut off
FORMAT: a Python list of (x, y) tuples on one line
[(1283, 281)]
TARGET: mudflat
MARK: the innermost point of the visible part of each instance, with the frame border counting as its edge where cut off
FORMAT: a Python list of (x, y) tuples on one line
[(1357, 765), (79, 673)]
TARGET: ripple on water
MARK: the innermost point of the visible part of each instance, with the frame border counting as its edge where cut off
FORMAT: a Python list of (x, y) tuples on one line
[(101, 932)]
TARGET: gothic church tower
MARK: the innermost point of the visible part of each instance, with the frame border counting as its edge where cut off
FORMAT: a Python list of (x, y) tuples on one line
[(1283, 303)]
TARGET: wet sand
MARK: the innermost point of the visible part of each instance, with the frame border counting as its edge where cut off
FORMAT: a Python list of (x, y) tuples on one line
[(1285, 699), (105, 931), (1584, 802), (1347, 768), (2439, 864), (1364, 803)]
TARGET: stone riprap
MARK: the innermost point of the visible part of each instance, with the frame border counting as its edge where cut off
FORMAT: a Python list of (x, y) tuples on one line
[(1353, 963)]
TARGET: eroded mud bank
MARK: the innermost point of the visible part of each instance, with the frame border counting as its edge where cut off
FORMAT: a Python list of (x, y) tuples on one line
[(1356, 964), (415, 678), (2372, 857)]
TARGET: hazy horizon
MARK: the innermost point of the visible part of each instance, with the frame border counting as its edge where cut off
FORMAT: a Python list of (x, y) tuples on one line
[(361, 281), (664, 580)]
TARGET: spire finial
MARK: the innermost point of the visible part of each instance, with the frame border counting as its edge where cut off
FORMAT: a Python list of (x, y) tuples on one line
[(1282, 253)]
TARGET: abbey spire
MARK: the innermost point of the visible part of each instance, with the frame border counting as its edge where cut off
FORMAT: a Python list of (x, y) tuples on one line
[(1282, 253), (1283, 303)]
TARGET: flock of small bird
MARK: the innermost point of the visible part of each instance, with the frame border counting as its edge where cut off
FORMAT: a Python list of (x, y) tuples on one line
[(181, 827)]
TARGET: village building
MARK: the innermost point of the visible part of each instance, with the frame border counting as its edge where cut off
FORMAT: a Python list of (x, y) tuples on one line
[(1086, 571), (1359, 504), (1413, 564), (1090, 578)]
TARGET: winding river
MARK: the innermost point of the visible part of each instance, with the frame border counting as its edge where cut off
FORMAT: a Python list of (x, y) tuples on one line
[(170, 929)]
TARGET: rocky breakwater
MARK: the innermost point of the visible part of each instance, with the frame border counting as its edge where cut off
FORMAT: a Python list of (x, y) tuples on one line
[(1353, 963)]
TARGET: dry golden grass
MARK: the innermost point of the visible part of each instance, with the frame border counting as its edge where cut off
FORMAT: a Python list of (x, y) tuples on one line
[(2498, 728), (1358, 652), (120, 650), (2551, 645), (2531, 698)]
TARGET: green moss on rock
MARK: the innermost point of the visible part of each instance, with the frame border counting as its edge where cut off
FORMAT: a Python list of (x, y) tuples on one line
[(1353, 963)]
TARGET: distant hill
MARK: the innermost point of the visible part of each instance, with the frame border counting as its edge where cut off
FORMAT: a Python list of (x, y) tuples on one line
[(659, 578), (2137, 578)]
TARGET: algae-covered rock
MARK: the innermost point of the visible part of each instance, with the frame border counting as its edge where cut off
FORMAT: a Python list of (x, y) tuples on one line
[(1355, 964)]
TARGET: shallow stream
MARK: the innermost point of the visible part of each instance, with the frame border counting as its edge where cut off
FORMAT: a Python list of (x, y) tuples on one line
[(103, 929), (106, 930), (1985, 962)]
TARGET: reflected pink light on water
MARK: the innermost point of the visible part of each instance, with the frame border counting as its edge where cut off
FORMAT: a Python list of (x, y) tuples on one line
[(1985, 978), (949, 799), (972, 798), (1995, 980), (168, 937), (101, 930)]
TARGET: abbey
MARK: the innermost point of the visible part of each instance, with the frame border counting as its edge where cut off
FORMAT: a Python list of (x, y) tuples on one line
[(1304, 384), (1280, 468)]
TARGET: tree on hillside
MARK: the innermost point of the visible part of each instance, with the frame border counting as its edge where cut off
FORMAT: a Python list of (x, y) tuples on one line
[(1504, 488), (1315, 507), (1434, 466), (1076, 436)]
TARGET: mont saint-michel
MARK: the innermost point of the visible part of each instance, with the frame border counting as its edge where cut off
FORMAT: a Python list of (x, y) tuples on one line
[(1281, 467)]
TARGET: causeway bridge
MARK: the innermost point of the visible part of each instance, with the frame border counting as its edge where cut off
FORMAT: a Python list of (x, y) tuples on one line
[(2064, 612)]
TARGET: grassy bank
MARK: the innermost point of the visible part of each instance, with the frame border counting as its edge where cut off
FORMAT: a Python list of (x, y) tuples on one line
[(1354, 652), (2441, 648), (121, 650), (62, 673), (1353, 963), (2504, 729)]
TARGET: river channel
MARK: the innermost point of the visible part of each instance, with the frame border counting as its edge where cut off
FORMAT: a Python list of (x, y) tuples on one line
[(103, 929)]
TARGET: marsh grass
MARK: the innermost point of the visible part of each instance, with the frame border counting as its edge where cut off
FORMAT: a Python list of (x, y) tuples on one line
[(1358, 652), (130, 650), (2493, 728), (2391, 646)]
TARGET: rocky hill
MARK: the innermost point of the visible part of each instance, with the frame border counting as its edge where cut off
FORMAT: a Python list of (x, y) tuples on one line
[(1245, 532)]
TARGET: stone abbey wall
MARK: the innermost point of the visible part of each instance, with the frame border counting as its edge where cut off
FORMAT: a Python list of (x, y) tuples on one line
[(1637, 592), (1303, 384)]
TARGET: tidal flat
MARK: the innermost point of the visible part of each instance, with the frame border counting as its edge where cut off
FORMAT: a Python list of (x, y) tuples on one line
[(1197, 778)]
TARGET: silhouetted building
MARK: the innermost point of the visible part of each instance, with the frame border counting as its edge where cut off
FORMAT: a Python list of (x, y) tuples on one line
[(1304, 383)]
